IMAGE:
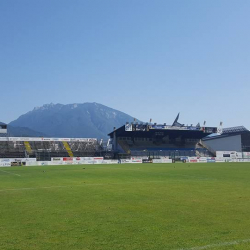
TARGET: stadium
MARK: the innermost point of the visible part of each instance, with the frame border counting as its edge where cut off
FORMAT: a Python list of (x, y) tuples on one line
[(140, 141), (84, 193)]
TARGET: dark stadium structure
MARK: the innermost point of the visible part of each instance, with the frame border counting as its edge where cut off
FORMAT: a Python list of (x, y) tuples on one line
[(161, 140)]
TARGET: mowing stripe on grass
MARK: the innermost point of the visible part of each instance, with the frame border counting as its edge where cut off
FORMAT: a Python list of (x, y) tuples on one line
[(222, 244), (83, 185), (9, 172)]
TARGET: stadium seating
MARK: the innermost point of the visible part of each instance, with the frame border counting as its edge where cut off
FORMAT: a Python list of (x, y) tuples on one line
[(44, 150), (155, 149)]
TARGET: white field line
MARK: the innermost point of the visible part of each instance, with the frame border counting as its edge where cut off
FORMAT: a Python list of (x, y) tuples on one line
[(9, 172), (83, 185), (222, 244)]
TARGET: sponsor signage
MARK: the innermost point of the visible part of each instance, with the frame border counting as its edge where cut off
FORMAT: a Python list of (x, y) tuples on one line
[(219, 160), (128, 127), (162, 160), (126, 161), (47, 139), (87, 158), (98, 158), (56, 159), (203, 159), (5, 164), (109, 161), (140, 127), (136, 160), (145, 161), (246, 154), (67, 158), (193, 160), (204, 129), (210, 160)]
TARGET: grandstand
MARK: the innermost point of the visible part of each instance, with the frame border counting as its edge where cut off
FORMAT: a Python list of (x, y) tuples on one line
[(155, 140), (45, 148)]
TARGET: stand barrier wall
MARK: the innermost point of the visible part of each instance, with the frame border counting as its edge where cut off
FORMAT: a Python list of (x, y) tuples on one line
[(99, 160)]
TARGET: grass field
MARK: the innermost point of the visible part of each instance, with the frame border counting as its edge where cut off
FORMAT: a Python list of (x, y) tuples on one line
[(130, 206)]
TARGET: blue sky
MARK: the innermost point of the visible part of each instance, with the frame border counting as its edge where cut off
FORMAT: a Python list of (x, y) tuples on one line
[(150, 59)]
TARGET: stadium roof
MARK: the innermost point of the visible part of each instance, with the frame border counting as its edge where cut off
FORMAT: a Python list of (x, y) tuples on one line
[(233, 130), (227, 132)]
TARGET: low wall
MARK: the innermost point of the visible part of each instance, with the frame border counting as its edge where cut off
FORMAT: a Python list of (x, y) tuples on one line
[(99, 160)]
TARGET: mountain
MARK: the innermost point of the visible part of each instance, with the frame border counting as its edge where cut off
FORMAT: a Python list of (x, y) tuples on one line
[(89, 120), (24, 132), (21, 132)]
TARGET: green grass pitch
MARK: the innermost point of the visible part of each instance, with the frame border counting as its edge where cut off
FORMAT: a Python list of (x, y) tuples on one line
[(130, 206)]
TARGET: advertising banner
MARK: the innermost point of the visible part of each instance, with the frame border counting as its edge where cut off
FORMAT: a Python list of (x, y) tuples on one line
[(6, 160), (87, 158), (47, 139), (192, 159), (136, 160), (202, 159), (162, 160), (128, 127), (44, 163), (126, 161), (56, 159), (157, 160), (5, 164), (35, 163), (210, 160), (218, 159), (246, 155), (110, 162), (98, 158), (67, 158)]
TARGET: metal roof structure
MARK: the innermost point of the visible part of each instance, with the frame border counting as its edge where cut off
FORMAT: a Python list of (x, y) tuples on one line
[(233, 130)]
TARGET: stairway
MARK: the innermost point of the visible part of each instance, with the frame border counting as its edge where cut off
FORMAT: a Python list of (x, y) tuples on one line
[(28, 147), (125, 147), (67, 147), (201, 145)]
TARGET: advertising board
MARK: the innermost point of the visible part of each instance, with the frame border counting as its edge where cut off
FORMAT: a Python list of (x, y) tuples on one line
[(47, 139), (211, 160), (126, 161), (5, 164), (202, 159), (68, 158), (56, 159), (192, 159), (110, 162), (136, 160), (162, 160)]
